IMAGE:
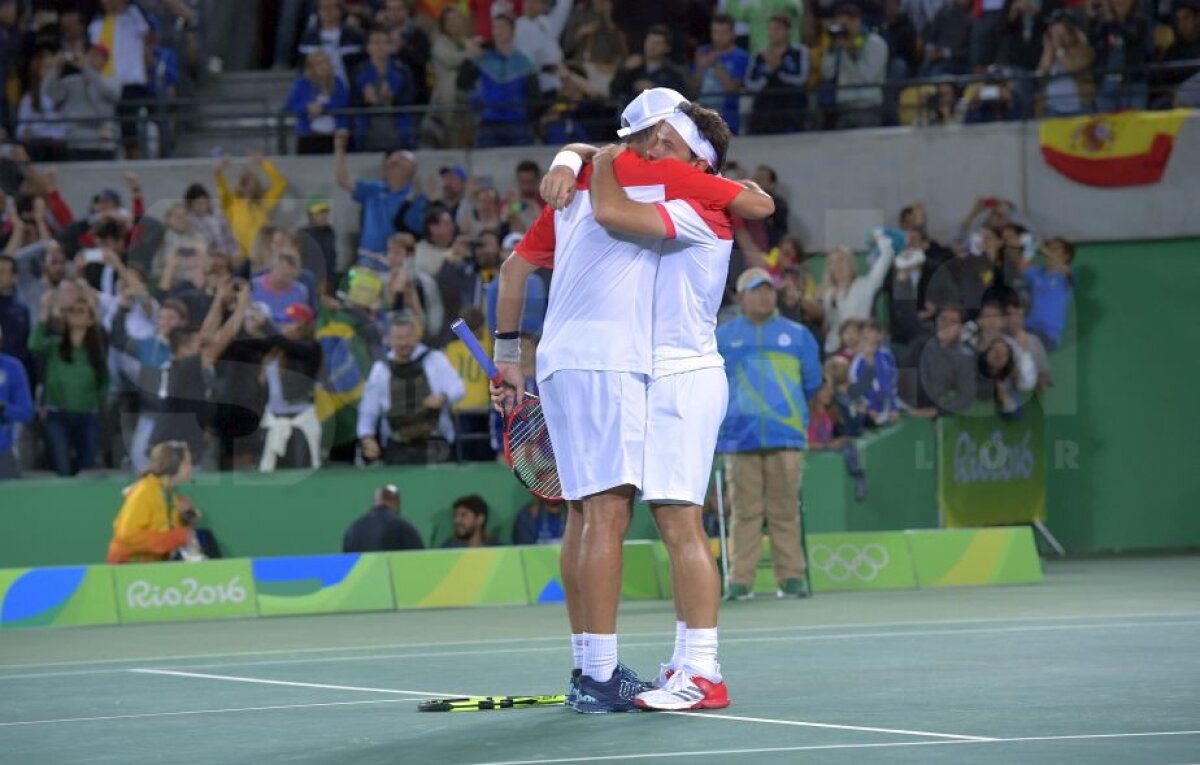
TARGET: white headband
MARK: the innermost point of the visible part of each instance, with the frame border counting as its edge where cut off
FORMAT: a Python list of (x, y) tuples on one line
[(699, 145)]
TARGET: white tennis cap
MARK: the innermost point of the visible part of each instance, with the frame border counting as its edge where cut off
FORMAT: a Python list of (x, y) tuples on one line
[(651, 107)]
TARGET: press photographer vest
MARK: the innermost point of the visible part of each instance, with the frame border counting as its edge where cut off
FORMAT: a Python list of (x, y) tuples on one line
[(408, 417)]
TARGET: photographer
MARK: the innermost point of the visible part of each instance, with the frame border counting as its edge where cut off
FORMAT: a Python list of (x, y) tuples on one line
[(856, 66), (155, 520)]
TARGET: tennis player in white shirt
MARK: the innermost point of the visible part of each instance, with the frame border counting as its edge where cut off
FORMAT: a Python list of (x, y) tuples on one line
[(687, 393), (594, 364)]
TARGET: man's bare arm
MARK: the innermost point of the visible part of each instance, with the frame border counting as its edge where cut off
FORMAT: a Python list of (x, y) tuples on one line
[(510, 304), (558, 185), (753, 203)]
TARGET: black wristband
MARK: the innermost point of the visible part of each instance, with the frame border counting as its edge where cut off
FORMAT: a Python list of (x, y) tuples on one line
[(507, 335)]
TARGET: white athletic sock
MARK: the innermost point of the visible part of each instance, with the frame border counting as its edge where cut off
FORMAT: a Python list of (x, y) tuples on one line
[(678, 656), (600, 656), (701, 656), (577, 647)]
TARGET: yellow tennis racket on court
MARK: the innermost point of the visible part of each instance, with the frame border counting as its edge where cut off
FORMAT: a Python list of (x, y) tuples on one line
[(487, 703)]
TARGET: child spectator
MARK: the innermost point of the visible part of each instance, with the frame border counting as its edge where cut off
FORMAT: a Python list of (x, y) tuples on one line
[(850, 339), (1029, 343), (873, 376), (314, 95), (998, 373), (71, 348), (248, 206), (850, 420), (1051, 288), (383, 82), (823, 434)]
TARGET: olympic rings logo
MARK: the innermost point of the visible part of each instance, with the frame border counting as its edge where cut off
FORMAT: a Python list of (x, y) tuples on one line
[(850, 562)]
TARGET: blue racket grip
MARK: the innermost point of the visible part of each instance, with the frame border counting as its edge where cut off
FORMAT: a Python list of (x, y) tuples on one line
[(460, 328)]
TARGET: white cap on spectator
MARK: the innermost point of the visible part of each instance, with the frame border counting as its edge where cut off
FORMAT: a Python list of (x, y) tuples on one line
[(511, 240), (651, 107)]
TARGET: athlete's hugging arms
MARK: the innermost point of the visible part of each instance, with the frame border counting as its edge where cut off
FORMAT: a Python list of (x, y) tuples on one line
[(559, 184), (615, 210)]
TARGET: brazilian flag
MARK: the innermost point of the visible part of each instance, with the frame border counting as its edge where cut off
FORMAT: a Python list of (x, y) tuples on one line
[(346, 365)]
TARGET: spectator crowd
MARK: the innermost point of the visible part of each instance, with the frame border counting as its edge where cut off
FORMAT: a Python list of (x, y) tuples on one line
[(213, 326), (99, 79)]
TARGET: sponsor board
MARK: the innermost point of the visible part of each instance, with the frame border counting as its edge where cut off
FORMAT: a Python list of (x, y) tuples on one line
[(972, 557), (320, 584), (167, 592), (446, 578), (992, 471), (851, 561), (64, 596)]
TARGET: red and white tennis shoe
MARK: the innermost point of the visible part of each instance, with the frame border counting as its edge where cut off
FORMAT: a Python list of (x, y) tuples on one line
[(685, 691)]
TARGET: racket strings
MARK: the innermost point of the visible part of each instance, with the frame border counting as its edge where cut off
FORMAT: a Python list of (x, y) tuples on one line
[(530, 452)]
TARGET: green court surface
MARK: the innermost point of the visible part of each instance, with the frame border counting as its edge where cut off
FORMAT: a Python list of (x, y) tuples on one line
[(1101, 664)]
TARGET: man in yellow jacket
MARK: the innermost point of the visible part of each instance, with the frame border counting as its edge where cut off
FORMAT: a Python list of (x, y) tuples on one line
[(155, 520), (248, 206)]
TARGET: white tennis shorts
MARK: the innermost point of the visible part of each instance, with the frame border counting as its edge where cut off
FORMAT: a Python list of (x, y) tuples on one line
[(597, 423), (683, 415)]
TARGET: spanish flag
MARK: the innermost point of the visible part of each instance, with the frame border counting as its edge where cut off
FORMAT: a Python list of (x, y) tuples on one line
[(1122, 149)]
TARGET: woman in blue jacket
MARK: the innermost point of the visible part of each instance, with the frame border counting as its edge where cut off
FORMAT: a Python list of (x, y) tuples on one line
[(315, 95)]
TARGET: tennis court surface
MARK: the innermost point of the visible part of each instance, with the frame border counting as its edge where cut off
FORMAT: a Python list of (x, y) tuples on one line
[(1101, 664)]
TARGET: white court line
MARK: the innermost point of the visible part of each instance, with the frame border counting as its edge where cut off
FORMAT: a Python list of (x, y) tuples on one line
[(229, 710), (724, 641), (494, 641), (290, 683), (782, 749), (655, 644), (831, 726)]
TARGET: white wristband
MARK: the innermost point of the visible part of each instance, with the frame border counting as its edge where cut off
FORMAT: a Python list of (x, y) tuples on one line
[(568, 159), (507, 351)]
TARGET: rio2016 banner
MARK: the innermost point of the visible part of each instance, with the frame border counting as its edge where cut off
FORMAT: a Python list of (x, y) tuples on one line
[(992, 472), (168, 592)]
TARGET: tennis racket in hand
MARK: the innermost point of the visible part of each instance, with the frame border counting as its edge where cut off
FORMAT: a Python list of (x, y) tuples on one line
[(527, 444)]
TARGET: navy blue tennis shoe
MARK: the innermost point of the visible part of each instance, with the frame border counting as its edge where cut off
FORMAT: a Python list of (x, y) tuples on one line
[(615, 695)]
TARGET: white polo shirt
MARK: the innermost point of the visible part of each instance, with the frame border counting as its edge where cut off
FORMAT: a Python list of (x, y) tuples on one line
[(600, 315), (691, 280)]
